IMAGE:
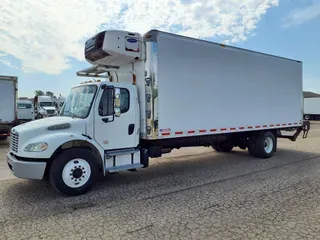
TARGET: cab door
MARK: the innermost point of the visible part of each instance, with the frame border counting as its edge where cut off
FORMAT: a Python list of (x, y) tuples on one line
[(117, 130)]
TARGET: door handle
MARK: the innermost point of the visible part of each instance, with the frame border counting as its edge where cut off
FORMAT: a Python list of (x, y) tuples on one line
[(130, 129)]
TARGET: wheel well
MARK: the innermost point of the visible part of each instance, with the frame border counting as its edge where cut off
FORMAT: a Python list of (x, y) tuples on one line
[(76, 144)]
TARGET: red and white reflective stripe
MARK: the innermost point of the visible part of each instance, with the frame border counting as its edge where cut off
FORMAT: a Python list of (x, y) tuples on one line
[(189, 132)]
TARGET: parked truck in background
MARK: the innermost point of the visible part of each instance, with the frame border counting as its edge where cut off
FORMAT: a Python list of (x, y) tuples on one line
[(59, 103), (311, 109), (44, 107), (8, 97), (25, 111), (162, 92)]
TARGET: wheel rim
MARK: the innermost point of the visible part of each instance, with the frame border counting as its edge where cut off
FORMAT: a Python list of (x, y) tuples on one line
[(268, 145), (76, 173)]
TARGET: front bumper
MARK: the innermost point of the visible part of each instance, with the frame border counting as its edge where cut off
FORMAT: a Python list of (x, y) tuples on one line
[(49, 115), (25, 169)]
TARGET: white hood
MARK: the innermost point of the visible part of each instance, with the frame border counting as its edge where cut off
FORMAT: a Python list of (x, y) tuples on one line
[(32, 131), (40, 126)]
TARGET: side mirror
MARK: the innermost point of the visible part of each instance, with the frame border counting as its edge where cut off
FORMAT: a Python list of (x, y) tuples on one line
[(117, 102)]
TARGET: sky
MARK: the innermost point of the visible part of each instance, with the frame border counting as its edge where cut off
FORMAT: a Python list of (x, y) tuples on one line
[(42, 41)]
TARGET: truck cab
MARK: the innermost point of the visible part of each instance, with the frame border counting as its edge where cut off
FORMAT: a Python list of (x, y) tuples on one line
[(98, 128), (45, 107), (110, 127)]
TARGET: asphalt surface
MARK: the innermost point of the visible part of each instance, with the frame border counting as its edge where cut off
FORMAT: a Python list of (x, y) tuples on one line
[(207, 195)]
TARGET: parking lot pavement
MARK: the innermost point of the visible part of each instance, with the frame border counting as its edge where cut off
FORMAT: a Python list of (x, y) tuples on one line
[(206, 196)]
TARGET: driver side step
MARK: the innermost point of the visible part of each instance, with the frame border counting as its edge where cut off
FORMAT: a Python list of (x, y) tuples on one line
[(122, 160), (128, 167)]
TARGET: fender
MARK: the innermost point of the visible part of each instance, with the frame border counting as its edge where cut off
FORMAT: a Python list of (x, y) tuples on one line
[(55, 141)]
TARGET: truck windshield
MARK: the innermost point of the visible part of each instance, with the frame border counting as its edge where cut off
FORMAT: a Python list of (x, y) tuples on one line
[(46, 104), (79, 101)]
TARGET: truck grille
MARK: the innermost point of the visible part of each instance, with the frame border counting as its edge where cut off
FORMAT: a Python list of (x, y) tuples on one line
[(14, 140), (50, 111)]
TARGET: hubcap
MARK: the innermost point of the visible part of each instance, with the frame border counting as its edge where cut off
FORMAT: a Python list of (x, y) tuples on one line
[(268, 145), (76, 173)]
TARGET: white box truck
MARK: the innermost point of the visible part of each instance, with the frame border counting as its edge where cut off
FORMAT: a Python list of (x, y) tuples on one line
[(311, 109), (25, 110), (8, 97), (162, 92)]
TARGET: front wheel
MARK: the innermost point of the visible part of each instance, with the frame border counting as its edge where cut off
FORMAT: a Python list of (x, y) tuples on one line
[(73, 172)]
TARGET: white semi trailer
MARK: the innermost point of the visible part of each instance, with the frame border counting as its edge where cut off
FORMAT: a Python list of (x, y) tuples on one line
[(163, 91), (311, 109)]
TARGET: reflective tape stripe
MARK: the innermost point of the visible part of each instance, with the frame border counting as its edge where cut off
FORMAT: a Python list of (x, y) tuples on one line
[(226, 129)]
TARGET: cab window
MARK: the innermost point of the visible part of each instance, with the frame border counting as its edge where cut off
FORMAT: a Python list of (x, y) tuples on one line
[(124, 100), (106, 107)]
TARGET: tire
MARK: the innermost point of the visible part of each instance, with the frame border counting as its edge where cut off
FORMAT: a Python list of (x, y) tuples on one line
[(73, 172), (2, 138), (223, 147), (262, 145), (307, 117)]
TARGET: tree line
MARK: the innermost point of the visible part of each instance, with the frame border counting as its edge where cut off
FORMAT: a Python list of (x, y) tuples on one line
[(42, 93)]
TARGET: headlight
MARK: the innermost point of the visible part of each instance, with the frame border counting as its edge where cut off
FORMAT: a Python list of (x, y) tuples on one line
[(36, 147)]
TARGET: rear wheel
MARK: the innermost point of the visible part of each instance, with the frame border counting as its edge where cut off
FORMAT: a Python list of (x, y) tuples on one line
[(73, 172), (262, 145)]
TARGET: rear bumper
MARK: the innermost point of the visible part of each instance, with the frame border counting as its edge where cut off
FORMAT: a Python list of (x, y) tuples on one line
[(5, 129), (25, 169), (4, 134)]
